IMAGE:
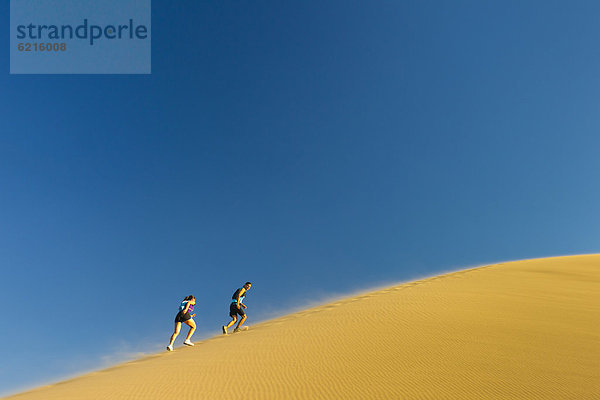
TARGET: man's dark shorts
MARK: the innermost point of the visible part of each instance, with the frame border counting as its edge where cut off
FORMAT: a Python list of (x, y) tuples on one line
[(233, 310)]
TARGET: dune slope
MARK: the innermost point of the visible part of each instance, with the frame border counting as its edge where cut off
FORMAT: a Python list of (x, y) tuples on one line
[(519, 330)]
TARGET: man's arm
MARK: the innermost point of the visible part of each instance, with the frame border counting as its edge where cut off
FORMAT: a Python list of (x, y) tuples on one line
[(240, 293)]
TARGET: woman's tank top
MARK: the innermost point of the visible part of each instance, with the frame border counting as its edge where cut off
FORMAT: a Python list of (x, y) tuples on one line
[(183, 304)]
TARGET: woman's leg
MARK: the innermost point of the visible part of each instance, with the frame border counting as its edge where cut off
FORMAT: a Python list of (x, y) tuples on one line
[(175, 333), (190, 322)]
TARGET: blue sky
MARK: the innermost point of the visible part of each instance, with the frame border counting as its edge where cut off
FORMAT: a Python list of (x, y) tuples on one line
[(314, 148)]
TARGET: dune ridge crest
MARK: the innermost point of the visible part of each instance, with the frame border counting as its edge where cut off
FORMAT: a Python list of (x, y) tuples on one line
[(515, 330)]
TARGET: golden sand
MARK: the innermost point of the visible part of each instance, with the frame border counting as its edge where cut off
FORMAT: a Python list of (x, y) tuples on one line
[(518, 330)]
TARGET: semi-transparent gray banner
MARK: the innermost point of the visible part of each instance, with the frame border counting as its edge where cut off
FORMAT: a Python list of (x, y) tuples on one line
[(80, 37)]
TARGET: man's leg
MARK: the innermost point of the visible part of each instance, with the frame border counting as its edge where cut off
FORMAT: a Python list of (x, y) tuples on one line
[(234, 318), (241, 322)]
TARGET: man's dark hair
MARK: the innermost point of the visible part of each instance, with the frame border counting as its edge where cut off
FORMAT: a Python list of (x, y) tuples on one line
[(248, 283)]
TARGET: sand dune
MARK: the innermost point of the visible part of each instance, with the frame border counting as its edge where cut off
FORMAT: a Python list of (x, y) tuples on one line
[(519, 330)]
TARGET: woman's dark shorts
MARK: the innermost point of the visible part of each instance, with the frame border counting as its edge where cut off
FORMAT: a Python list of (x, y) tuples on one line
[(233, 310), (182, 317)]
